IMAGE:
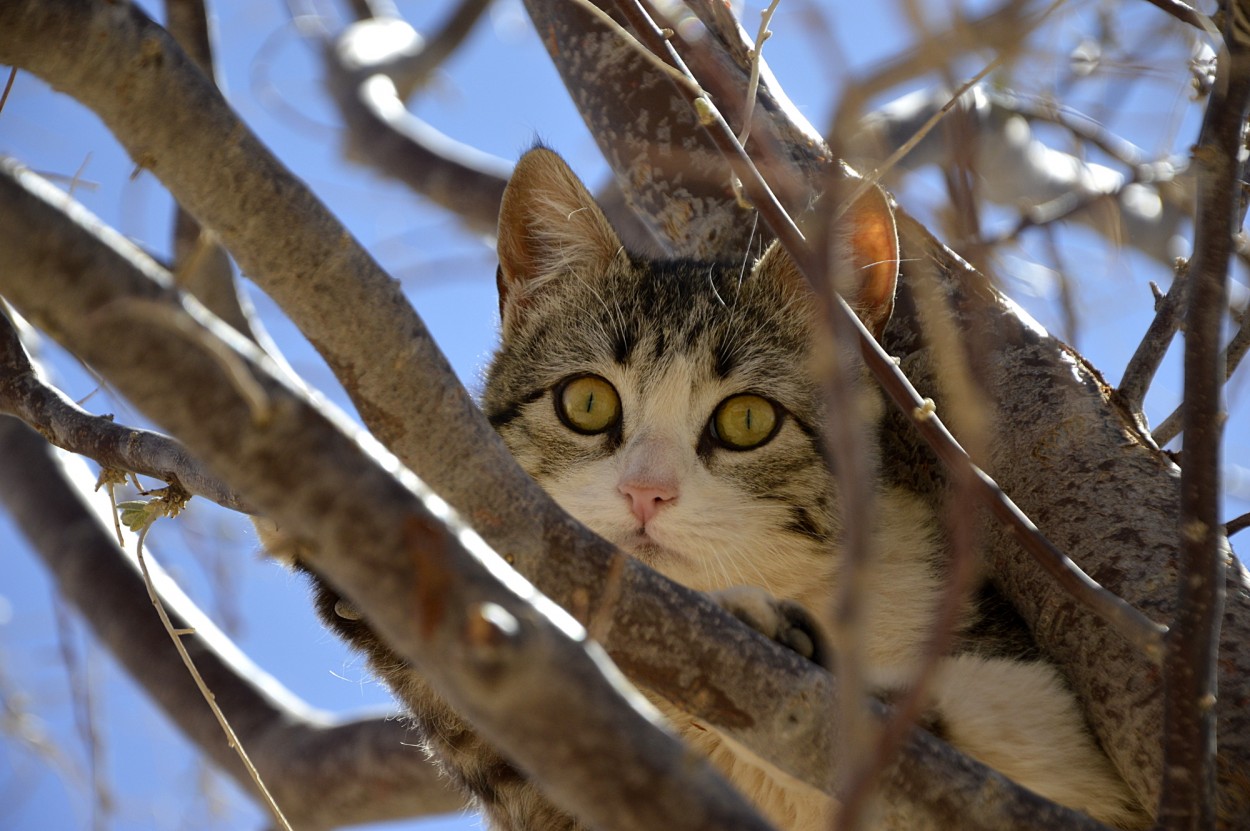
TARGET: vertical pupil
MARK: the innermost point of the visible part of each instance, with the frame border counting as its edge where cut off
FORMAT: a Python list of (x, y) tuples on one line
[(748, 419), (590, 402)]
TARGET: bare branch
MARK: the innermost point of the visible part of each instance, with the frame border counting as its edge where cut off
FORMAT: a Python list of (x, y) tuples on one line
[(1108, 485), (1146, 359), (1186, 14), (365, 66), (788, 694), (24, 394), (1189, 772), (201, 265), (1170, 427), (326, 774)]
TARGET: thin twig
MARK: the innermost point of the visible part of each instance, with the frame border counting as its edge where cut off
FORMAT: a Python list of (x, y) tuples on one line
[(1146, 359), (1185, 14), (1080, 125), (8, 87), (84, 711), (176, 636), (1241, 523), (757, 58), (1170, 427)]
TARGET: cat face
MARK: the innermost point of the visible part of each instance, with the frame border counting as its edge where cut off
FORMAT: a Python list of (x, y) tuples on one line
[(668, 405)]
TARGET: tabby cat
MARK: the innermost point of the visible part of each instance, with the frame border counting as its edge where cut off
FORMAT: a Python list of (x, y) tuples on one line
[(671, 407)]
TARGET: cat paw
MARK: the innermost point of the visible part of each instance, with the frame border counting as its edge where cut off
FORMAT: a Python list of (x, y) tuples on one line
[(781, 621)]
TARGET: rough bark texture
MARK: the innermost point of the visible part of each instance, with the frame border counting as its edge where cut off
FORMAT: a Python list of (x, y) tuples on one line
[(322, 773)]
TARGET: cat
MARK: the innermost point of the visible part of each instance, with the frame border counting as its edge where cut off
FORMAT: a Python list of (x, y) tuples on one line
[(671, 406)]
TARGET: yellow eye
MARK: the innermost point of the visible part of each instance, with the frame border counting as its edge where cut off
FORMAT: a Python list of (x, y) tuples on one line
[(588, 404), (742, 422)]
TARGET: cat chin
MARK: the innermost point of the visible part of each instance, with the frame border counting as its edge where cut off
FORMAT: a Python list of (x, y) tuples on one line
[(643, 548)]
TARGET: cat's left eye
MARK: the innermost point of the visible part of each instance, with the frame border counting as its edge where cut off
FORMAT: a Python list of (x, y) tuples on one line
[(743, 422), (588, 404)]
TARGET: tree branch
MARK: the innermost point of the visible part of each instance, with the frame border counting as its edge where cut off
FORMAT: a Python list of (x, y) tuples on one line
[(59, 420), (1184, 13), (1189, 771), (323, 773), (1142, 366), (318, 274), (367, 66), (201, 265), (1170, 427)]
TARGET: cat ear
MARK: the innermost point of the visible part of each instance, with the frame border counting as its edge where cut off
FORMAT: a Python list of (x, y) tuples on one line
[(548, 224), (868, 242), (871, 238)]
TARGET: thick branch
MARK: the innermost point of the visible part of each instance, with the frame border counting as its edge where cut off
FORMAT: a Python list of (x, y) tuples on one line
[(201, 265), (1100, 499), (396, 375), (323, 774)]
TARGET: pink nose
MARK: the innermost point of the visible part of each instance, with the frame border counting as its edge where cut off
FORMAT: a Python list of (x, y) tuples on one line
[(646, 498)]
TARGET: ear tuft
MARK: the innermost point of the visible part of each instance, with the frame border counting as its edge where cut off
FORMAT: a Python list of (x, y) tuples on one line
[(548, 225)]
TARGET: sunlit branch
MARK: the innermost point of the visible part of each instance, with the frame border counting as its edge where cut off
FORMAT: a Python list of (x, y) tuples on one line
[(507, 658), (1146, 359), (314, 765), (24, 393)]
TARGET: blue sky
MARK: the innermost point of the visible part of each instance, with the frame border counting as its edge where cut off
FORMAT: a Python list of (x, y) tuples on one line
[(498, 94)]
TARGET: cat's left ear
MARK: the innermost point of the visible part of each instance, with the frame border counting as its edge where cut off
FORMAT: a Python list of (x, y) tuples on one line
[(867, 240), (548, 225)]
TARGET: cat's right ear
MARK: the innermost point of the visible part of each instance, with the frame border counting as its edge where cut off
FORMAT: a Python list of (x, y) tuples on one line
[(548, 225)]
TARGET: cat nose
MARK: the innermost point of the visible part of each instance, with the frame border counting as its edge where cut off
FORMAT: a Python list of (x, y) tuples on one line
[(646, 498)]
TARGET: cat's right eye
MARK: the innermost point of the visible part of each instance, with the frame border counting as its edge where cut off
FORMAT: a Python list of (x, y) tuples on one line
[(587, 404), (744, 422)]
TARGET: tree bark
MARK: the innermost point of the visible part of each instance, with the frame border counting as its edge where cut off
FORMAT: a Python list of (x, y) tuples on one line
[(322, 772)]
